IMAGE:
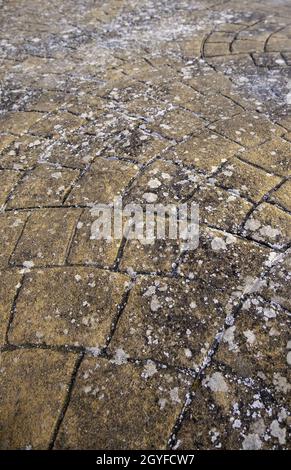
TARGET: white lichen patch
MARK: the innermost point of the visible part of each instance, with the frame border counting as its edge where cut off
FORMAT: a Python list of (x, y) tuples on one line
[(120, 357), (252, 442), (218, 244), (216, 382), (149, 369), (278, 432)]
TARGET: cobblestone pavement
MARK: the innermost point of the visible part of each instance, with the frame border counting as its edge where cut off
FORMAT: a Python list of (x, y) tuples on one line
[(114, 345)]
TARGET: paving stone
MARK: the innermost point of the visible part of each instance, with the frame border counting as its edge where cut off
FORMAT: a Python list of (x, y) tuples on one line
[(269, 59), (269, 224), (276, 287), (285, 121), (46, 238), (43, 186), (47, 102), (159, 256), (151, 399), (23, 153), (207, 106), (163, 183), (247, 45), (246, 180), (229, 27), (171, 321), (106, 180), (56, 125), (242, 415), (178, 123), (110, 124), (33, 387), (287, 57), (213, 108), (136, 146), (254, 33), (216, 49), (6, 140), (271, 156), (226, 262), (143, 106), (8, 180), (205, 152), (92, 106), (282, 195), (190, 48), (77, 151), (9, 283), (247, 130), (277, 43), (256, 346), (79, 315), (18, 122), (210, 82), (221, 36), (233, 63), (220, 208), (86, 248), (11, 226)]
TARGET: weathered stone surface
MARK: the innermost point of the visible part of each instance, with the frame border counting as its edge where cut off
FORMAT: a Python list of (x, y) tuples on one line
[(19, 122), (282, 196), (172, 321), (163, 183), (23, 153), (33, 387), (242, 414), (72, 305), (269, 59), (246, 180), (276, 287), (271, 156), (247, 45), (6, 140), (43, 186), (216, 49), (136, 146), (74, 152), (270, 224), (226, 262), (206, 106), (256, 346), (204, 152), (8, 180), (160, 256), (47, 102), (9, 284), (248, 130), (178, 123), (150, 399), (87, 248), (219, 208), (11, 226), (56, 125), (46, 237), (106, 179)]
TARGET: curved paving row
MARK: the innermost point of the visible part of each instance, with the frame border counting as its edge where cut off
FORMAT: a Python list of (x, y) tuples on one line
[(116, 344)]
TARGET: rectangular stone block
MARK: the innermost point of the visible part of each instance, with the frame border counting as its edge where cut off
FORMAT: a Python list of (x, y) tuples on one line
[(46, 237), (119, 405), (67, 306)]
